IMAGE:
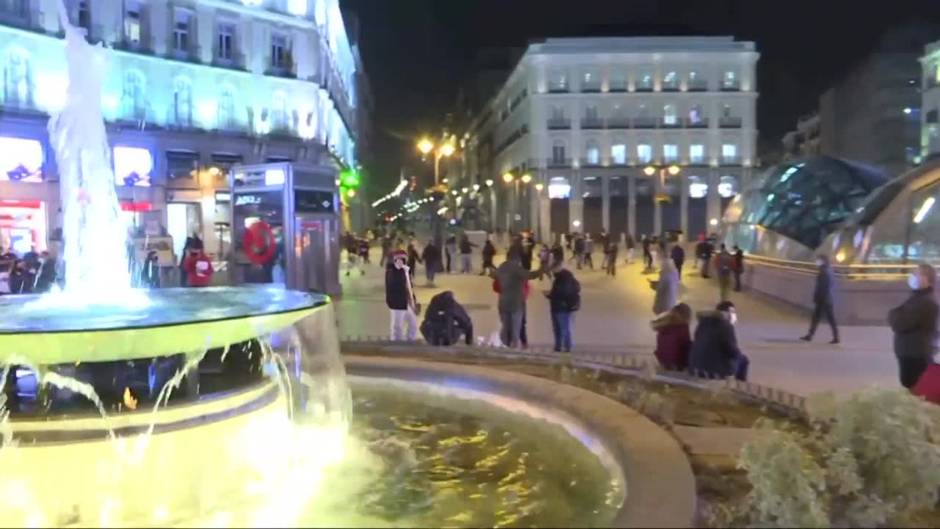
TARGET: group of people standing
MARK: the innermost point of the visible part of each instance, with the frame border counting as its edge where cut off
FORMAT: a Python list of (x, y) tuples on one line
[(33, 273)]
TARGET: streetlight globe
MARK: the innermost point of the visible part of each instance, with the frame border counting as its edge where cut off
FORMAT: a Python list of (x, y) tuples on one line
[(526, 178), (455, 192), (508, 178), (465, 190), (476, 187), (649, 170), (425, 146), (447, 149), (351, 193), (489, 182), (539, 187), (673, 170)]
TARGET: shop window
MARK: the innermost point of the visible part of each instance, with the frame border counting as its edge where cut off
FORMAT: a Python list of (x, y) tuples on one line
[(20, 159), (133, 166), (181, 165)]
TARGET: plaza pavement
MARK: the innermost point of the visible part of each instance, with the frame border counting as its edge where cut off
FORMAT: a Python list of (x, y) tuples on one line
[(615, 317)]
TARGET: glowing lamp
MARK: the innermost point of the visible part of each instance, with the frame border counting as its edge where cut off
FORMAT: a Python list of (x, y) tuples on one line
[(349, 178), (448, 149), (539, 187), (425, 146), (673, 170), (526, 178), (489, 182), (508, 178), (649, 170)]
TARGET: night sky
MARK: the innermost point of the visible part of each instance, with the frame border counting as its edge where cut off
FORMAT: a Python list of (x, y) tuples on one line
[(417, 52)]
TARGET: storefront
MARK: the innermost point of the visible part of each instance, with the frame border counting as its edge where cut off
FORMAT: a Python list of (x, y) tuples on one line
[(26, 199)]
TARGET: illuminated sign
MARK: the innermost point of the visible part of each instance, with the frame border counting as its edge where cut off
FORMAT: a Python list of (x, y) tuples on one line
[(20, 159), (132, 166), (247, 200)]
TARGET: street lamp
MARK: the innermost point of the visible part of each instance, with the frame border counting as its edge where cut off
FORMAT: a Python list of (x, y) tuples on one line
[(425, 146), (539, 187), (526, 178), (508, 178), (445, 149), (489, 182)]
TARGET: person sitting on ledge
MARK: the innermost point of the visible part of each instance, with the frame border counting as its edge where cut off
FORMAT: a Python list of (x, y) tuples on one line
[(715, 352), (445, 320), (672, 337)]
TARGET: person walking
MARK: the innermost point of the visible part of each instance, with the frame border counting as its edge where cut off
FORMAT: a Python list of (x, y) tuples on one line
[(738, 267), (489, 252), (724, 264), (386, 250), (150, 271), (823, 300), (914, 324), (450, 251), (704, 251), (527, 245), (611, 253), (431, 255), (364, 247), (400, 299), (678, 257), (564, 300), (715, 352), (578, 246), (413, 259), (631, 248), (466, 253), (647, 253), (667, 288), (511, 279), (589, 251)]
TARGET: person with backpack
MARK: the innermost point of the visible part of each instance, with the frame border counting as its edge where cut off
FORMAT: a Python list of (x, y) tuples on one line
[(724, 264), (511, 278), (564, 300)]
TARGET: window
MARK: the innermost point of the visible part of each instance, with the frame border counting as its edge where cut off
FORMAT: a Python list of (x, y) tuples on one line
[(558, 152), (670, 153), (592, 153), (558, 82), (696, 153), (590, 112), (279, 111), (644, 83), (697, 187), (16, 8), (644, 153), (226, 110), (729, 80), (669, 115), (132, 20), (182, 103), (696, 116), (17, 79), (280, 53), (132, 97), (181, 165), (225, 42), (726, 111), (591, 82), (727, 186), (618, 154), (697, 83), (671, 81), (729, 152), (618, 82), (181, 31)]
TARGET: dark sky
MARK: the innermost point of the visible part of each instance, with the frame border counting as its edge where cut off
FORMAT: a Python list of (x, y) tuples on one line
[(417, 52)]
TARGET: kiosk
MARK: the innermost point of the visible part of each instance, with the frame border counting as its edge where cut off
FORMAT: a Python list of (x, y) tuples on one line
[(285, 226)]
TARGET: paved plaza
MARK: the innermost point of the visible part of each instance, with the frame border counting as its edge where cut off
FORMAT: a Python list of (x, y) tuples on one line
[(615, 317)]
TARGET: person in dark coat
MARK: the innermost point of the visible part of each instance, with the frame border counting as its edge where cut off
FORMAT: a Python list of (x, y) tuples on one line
[(738, 267), (579, 245), (715, 352), (489, 252), (823, 300), (466, 252), (678, 257), (610, 251), (527, 245), (400, 298), (673, 340), (150, 271), (512, 280), (413, 258), (20, 280), (647, 252), (445, 320), (914, 324), (564, 300), (431, 255), (450, 252)]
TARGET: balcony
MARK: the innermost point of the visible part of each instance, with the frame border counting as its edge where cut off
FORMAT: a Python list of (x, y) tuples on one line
[(618, 123), (587, 162), (558, 89), (592, 123), (559, 124), (697, 124), (617, 86), (235, 62), (644, 122), (555, 163), (698, 161), (697, 86), (730, 87), (591, 88), (730, 160), (670, 123), (729, 122), (144, 45), (674, 87), (643, 88), (285, 70), (190, 54)]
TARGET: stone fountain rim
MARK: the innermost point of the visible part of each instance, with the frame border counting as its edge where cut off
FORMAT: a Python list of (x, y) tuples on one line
[(660, 485)]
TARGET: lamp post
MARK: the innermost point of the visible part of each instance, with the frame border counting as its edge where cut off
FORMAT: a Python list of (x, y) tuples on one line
[(538, 214), (660, 195), (445, 149)]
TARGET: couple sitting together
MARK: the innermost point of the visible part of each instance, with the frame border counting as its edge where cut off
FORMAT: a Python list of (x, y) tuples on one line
[(713, 353)]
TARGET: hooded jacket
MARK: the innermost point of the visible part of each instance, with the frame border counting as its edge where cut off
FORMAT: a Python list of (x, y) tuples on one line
[(715, 347), (512, 277), (673, 341), (914, 323), (445, 319)]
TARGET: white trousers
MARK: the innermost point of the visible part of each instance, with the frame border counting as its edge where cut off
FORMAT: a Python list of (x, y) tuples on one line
[(406, 318)]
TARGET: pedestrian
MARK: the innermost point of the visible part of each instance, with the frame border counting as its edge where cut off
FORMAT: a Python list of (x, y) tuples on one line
[(612, 249), (198, 269), (431, 256), (193, 243), (647, 253), (46, 273), (564, 300), (352, 252), (545, 259), (724, 264), (413, 259), (20, 279), (914, 324), (589, 251), (150, 271), (738, 267), (823, 300), (445, 320), (704, 251), (527, 245), (511, 278), (466, 254), (386, 250), (673, 340), (364, 253), (489, 252), (631, 248), (450, 251), (578, 250), (400, 298), (715, 352), (603, 240), (678, 257), (667, 288)]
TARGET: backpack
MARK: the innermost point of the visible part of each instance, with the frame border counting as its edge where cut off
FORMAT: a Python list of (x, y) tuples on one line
[(572, 294)]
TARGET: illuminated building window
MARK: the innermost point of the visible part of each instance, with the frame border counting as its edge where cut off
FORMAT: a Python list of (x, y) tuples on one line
[(17, 79), (696, 116), (132, 23), (729, 81), (670, 153), (670, 119), (697, 153), (592, 153), (618, 153), (644, 83), (132, 97), (182, 111), (644, 153), (181, 31), (225, 42), (671, 81), (729, 152)]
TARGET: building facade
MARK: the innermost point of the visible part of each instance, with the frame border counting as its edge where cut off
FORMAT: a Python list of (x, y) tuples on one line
[(595, 122), (930, 100), (192, 88), (805, 140)]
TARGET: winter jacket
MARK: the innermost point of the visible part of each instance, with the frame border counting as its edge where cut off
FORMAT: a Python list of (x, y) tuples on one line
[(667, 291), (715, 347), (445, 319), (432, 257), (565, 295), (466, 247), (678, 255), (512, 278), (579, 245), (489, 251), (914, 323), (822, 294), (724, 264), (673, 341), (396, 287)]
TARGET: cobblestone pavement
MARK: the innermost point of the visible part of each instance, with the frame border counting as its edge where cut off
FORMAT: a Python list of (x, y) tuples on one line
[(615, 316)]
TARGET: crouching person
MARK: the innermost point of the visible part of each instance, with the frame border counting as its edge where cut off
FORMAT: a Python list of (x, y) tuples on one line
[(445, 320), (715, 352)]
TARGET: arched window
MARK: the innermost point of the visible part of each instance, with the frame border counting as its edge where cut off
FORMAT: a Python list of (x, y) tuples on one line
[(17, 79), (132, 96), (592, 153), (226, 110), (182, 114)]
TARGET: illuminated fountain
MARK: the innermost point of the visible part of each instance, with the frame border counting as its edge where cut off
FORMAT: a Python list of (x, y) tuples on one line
[(230, 406)]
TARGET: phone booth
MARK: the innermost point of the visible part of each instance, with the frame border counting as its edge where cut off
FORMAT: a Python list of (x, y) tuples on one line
[(285, 226)]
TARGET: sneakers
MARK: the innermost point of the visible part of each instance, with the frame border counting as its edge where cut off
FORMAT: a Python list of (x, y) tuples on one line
[(806, 338), (835, 341)]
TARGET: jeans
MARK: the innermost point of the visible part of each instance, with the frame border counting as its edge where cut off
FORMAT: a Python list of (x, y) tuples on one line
[(561, 328), (824, 309), (405, 318), (465, 265), (911, 369), (511, 327), (429, 271), (741, 368)]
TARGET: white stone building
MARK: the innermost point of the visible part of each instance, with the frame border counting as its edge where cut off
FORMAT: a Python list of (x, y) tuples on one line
[(589, 118), (192, 87), (930, 102)]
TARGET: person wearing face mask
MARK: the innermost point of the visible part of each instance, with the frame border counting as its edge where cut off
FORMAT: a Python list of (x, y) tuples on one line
[(715, 352), (400, 298), (914, 324), (823, 301)]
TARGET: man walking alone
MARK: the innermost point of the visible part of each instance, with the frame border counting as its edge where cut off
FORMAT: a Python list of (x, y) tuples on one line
[(823, 301)]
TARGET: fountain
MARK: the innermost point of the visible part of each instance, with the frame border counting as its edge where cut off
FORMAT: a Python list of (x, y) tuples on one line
[(230, 406)]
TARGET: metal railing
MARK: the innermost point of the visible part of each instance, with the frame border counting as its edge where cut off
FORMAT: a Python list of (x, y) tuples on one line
[(592, 123), (859, 271), (559, 123)]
